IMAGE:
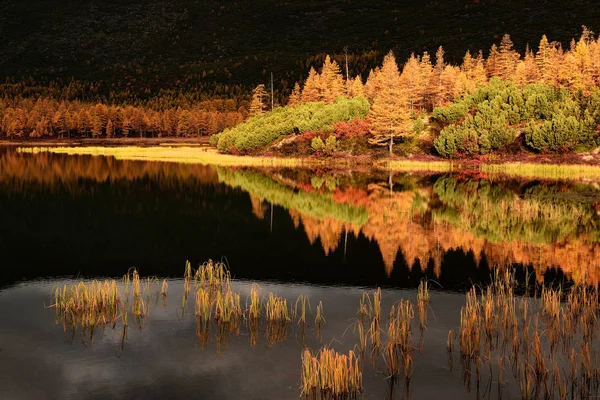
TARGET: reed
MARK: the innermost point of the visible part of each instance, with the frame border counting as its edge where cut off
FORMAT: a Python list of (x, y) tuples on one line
[(203, 305), (339, 375), (254, 308), (364, 306), (450, 341), (187, 278), (423, 300), (375, 312), (423, 292), (88, 304), (140, 309), (397, 350), (362, 335), (227, 308), (319, 318), (212, 275), (276, 309), (469, 331), (302, 303), (531, 330), (422, 312), (164, 288), (310, 374)]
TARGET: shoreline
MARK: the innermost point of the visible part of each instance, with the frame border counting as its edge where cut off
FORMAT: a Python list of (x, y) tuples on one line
[(568, 166)]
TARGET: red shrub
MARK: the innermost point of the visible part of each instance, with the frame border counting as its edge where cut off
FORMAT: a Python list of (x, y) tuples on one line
[(355, 128)]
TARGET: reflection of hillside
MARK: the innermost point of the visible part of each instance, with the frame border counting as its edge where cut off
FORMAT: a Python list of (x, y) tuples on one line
[(535, 226)]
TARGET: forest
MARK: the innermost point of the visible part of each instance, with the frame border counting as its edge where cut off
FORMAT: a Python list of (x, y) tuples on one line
[(544, 100)]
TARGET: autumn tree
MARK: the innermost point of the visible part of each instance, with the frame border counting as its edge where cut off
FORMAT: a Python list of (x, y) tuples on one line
[(184, 126), (543, 59), (507, 58), (492, 64), (295, 97), (389, 115), (331, 82), (257, 106), (373, 84), (310, 92), (527, 71), (355, 87), (411, 80)]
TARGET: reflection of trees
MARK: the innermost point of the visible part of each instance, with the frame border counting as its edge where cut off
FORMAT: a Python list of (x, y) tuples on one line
[(499, 214), (533, 224), (52, 170), (313, 204)]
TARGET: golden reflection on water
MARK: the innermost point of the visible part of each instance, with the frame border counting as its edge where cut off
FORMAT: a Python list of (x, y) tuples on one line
[(545, 225)]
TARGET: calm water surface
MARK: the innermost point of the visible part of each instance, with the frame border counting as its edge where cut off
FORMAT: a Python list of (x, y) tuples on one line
[(326, 234)]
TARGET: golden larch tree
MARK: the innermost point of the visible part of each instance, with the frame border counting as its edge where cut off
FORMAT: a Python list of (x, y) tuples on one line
[(542, 59), (332, 81), (411, 82), (492, 64), (389, 115), (527, 71), (310, 92), (507, 58), (356, 87), (373, 84), (295, 97), (259, 95), (426, 70)]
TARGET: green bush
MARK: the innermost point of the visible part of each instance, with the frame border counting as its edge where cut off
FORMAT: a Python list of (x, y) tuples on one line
[(452, 113), (561, 133), (265, 128), (330, 144), (317, 144), (418, 125), (550, 119)]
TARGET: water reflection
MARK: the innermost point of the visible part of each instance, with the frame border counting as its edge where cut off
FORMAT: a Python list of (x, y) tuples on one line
[(100, 216), (541, 224)]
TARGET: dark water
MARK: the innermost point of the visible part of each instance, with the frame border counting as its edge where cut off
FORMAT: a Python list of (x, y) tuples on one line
[(327, 234)]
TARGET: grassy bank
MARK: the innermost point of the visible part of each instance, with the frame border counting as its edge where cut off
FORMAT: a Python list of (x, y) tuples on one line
[(183, 153), (189, 155), (544, 171)]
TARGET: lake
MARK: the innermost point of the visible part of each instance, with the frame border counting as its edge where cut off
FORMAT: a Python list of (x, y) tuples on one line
[(328, 234)]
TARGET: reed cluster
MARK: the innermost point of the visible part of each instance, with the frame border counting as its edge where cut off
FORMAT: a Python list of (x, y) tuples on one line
[(545, 340), (331, 373), (88, 304), (94, 305), (398, 348), (218, 305)]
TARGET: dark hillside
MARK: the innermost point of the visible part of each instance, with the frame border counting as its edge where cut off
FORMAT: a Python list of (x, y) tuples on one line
[(151, 44)]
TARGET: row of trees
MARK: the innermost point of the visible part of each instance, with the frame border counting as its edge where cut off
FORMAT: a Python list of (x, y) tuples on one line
[(429, 83), (47, 117)]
